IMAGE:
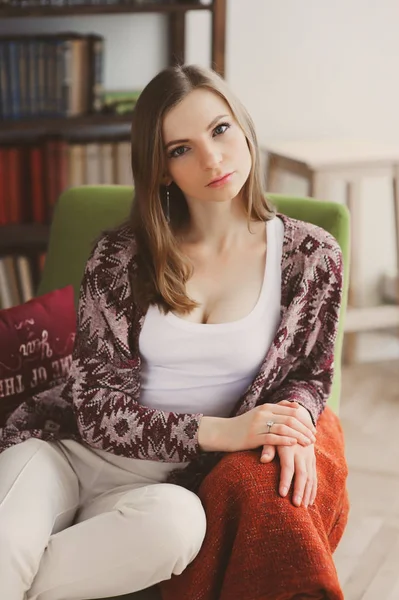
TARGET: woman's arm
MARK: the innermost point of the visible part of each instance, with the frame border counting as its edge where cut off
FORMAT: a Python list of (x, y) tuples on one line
[(310, 380), (213, 434), (104, 379)]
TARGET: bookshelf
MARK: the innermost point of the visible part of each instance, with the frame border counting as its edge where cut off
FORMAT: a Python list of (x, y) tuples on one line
[(57, 11), (31, 239), (60, 124), (23, 237), (173, 9)]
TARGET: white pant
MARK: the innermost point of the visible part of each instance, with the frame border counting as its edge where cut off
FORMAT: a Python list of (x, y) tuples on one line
[(78, 523)]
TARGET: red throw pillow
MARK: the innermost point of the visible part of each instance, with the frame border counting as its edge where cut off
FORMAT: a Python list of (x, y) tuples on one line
[(36, 341)]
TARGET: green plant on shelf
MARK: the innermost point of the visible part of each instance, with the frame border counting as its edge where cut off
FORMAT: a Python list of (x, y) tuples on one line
[(120, 102)]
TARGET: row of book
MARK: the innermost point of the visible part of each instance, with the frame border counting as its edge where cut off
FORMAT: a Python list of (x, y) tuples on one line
[(51, 75), (33, 175), (16, 281)]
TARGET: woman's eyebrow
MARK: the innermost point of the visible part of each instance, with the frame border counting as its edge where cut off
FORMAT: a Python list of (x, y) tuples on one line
[(208, 128)]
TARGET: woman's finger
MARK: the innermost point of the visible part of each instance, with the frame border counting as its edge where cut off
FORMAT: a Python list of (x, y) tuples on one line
[(276, 440), (301, 478), (296, 430), (289, 403), (310, 482), (308, 491), (289, 411), (314, 490), (287, 470), (314, 493), (268, 453)]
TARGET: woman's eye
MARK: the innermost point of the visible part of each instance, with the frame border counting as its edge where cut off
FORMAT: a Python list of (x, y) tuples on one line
[(221, 128), (179, 151)]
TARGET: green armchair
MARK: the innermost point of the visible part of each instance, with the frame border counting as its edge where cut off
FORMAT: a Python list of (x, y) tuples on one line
[(82, 213)]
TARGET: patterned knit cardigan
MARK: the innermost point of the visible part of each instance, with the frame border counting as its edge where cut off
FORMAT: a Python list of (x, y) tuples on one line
[(100, 402)]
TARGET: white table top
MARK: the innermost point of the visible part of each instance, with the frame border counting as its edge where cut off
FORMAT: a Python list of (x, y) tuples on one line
[(330, 152)]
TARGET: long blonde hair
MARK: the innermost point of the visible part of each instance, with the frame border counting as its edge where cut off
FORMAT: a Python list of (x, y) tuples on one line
[(163, 269)]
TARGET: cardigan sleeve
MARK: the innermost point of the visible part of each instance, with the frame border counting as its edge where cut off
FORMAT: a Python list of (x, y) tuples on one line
[(309, 380), (104, 379)]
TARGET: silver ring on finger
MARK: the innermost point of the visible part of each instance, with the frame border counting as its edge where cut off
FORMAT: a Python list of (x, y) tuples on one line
[(269, 425)]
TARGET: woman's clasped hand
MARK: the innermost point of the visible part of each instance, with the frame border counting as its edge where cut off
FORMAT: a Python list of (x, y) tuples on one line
[(290, 426), (292, 436), (295, 461)]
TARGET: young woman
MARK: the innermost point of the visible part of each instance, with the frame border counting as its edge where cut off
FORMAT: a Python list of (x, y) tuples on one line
[(204, 350)]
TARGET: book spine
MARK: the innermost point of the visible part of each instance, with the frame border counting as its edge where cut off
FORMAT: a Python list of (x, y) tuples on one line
[(59, 78), (12, 280), (67, 78), (77, 165), (79, 83), (13, 48), (3, 196), (5, 289), (93, 170), (14, 163), (50, 175), (25, 279), (41, 77), (33, 63), (37, 184), (63, 166), (48, 100), (96, 73), (124, 170), (23, 79), (107, 167), (5, 99)]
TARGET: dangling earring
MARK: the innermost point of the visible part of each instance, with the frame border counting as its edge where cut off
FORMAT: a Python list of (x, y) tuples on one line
[(167, 205)]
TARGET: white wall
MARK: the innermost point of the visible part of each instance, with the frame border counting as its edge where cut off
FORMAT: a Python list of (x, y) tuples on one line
[(304, 69), (318, 69)]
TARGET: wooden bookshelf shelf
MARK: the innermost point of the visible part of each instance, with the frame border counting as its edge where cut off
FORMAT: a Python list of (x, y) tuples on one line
[(32, 239), (24, 238), (98, 9), (61, 124)]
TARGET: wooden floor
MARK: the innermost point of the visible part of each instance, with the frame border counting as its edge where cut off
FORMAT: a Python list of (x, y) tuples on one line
[(367, 558)]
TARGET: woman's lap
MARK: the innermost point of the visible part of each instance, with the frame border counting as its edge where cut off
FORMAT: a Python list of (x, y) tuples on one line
[(128, 538), (254, 535)]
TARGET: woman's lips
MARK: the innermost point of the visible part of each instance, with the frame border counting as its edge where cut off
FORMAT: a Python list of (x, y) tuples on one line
[(221, 182)]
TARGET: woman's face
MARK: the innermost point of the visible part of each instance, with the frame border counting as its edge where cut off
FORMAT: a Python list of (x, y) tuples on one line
[(203, 143)]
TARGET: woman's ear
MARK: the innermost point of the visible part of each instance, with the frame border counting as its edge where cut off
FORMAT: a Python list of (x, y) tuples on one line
[(166, 180)]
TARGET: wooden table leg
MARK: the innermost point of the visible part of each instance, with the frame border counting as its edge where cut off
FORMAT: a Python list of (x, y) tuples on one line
[(353, 203), (273, 174), (319, 186), (396, 213)]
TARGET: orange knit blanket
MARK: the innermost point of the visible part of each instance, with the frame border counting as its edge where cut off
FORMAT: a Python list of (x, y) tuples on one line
[(258, 545)]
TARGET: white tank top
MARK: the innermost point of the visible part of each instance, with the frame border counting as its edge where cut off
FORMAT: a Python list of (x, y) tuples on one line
[(205, 368)]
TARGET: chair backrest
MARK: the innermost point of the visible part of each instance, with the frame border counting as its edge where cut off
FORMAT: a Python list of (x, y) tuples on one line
[(82, 213)]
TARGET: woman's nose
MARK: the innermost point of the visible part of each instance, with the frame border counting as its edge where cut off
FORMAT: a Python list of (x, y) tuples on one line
[(210, 158)]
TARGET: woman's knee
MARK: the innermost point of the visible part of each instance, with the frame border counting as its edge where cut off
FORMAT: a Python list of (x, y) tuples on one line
[(239, 476), (187, 521), (177, 519)]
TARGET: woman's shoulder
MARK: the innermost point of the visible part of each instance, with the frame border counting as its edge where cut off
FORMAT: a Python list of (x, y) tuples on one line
[(312, 258), (309, 239), (112, 259), (115, 247)]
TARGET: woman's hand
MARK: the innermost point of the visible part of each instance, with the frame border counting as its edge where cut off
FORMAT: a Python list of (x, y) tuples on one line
[(251, 430), (299, 461)]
